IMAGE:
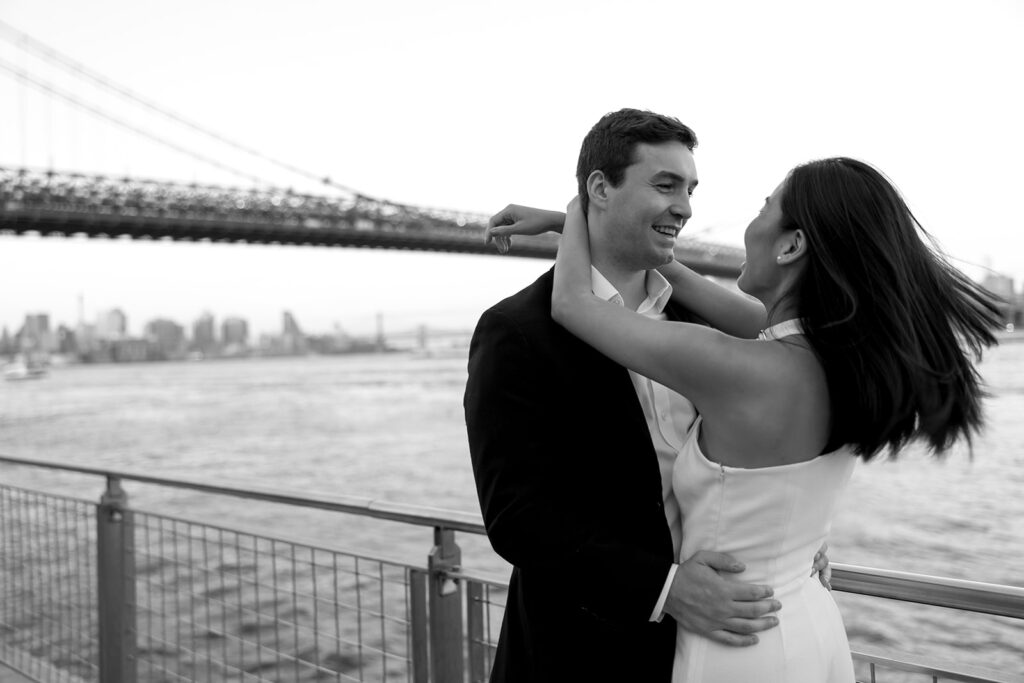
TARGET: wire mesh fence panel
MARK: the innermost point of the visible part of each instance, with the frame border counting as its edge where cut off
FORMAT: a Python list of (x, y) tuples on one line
[(485, 608), (210, 603), (216, 604), (48, 609), (901, 667)]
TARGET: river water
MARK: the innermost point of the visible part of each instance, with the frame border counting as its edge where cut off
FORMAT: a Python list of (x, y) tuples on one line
[(391, 427)]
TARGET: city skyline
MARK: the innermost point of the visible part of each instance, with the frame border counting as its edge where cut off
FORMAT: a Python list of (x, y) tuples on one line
[(115, 323), (220, 324), (108, 338)]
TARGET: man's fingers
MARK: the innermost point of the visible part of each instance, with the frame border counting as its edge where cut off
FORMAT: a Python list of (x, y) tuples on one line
[(820, 559), (748, 626), (755, 610), (826, 577), (736, 640), (820, 562), (722, 562), (749, 592)]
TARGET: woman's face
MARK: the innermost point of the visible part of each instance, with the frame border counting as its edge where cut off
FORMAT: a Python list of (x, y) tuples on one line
[(760, 273)]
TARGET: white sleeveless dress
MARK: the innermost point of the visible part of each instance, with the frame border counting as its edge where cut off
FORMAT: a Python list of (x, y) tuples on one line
[(774, 520)]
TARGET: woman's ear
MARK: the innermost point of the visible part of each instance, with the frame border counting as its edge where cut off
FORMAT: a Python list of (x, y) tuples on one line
[(597, 189), (792, 247)]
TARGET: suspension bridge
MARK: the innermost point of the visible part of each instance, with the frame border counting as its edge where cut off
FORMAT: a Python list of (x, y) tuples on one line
[(55, 202)]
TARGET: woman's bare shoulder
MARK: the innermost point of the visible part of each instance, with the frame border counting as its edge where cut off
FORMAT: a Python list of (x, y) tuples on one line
[(782, 413)]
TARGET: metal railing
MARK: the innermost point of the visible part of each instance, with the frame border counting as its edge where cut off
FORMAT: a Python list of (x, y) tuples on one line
[(106, 592)]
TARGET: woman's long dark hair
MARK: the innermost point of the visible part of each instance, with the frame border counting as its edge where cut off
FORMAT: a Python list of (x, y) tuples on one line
[(893, 323)]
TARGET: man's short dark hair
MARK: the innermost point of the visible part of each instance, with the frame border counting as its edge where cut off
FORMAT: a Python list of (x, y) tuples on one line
[(610, 146)]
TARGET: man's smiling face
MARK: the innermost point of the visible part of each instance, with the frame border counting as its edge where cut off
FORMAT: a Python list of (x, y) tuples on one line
[(645, 213)]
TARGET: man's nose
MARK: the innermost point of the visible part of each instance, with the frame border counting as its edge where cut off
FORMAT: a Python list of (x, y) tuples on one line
[(680, 208)]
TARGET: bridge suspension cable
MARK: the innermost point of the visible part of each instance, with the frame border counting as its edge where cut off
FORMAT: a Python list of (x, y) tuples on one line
[(96, 111), (27, 43)]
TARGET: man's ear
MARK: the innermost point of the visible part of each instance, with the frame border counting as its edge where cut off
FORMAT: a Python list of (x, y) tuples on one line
[(792, 247), (597, 189)]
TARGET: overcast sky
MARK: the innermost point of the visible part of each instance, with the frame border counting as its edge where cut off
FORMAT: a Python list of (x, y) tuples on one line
[(471, 105)]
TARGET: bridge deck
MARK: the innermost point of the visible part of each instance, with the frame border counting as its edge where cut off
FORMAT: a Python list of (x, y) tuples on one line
[(50, 203)]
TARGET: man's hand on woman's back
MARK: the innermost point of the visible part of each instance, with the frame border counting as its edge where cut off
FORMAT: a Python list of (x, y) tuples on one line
[(724, 610)]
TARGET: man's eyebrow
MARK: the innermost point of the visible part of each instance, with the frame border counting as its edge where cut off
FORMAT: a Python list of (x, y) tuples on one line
[(672, 175)]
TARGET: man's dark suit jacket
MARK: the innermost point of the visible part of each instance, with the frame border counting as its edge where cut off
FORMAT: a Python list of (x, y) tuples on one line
[(570, 490)]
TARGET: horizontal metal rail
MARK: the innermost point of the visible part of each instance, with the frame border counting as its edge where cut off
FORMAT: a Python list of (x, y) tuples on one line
[(984, 598), (191, 600), (355, 505), (974, 596)]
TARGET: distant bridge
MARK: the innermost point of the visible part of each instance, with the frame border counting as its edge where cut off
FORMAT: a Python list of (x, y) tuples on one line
[(61, 203), (66, 204)]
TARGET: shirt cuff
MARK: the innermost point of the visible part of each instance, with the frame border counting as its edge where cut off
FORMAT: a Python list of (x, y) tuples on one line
[(659, 607)]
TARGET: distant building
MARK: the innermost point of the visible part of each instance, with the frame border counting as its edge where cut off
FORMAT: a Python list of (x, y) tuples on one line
[(86, 340), (166, 339), (129, 350), (6, 343), (289, 325), (1015, 310), (1012, 304), (35, 334), (111, 325), (340, 341), (293, 341), (67, 344), (204, 338), (998, 284), (234, 332)]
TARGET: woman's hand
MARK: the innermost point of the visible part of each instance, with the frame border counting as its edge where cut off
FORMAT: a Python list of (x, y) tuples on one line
[(574, 205), (520, 220)]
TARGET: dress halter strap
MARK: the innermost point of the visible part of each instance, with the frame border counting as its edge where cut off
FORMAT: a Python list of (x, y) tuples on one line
[(783, 329)]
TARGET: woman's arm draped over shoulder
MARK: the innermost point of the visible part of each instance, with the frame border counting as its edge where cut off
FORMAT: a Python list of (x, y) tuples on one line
[(698, 362), (520, 220), (723, 309)]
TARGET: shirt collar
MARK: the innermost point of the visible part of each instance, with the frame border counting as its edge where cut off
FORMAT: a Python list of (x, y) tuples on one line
[(659, 291)]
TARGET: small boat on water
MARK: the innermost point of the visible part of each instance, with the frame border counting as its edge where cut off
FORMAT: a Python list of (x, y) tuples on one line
[(24, 368)]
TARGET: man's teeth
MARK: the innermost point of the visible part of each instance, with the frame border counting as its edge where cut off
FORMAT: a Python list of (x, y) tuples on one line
[(666, 230)]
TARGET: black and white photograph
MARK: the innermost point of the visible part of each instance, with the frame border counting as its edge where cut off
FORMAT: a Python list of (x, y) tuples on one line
[(533, 342)]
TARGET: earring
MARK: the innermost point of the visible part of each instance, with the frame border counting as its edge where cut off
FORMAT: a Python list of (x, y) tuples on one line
[(778, 259)]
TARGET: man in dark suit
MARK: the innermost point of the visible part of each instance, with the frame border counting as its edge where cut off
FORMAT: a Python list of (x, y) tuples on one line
[(572, 453)]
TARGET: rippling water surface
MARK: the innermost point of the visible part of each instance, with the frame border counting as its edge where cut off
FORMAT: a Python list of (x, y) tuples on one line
[(391, 427)]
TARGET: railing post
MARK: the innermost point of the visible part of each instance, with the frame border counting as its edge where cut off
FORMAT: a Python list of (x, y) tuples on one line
[(420, 635), (445, 599), (115, 570), (475, 615)]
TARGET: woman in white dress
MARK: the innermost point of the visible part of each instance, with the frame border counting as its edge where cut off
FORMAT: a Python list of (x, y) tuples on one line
[(868, 345)]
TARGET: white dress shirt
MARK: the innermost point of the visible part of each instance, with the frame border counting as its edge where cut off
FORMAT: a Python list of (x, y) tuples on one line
[(668, 414)]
